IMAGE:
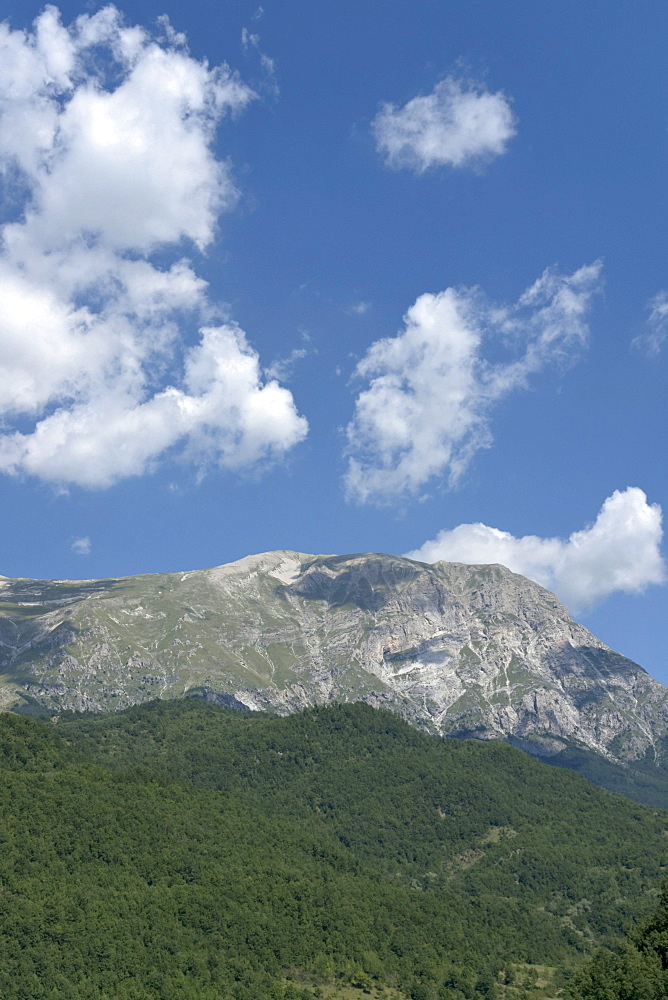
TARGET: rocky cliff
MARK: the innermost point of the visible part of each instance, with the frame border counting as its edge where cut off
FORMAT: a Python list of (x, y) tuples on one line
[(456, 649)]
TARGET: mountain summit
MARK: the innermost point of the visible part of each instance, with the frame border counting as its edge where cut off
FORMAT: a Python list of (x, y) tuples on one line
[(456, 649)]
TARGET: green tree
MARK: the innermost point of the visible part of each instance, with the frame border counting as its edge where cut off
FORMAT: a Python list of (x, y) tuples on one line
[(652, 936), (627, 974)]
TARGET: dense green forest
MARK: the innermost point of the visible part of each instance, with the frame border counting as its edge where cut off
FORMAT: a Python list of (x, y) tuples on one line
[(636, 969), (181, 850)]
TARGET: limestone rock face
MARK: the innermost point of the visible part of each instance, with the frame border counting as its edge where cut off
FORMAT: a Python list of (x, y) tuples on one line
[(456, 649)]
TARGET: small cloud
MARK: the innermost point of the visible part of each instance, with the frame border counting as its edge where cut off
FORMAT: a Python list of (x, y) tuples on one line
[(259, 14), (251, 40), (268, 64), (460, 124), (248, 39), (360, 308), (652, 340), (282, 368), (81, 546), (620, 551)]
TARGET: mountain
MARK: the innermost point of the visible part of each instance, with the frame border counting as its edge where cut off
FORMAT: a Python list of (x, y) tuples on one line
[(456, 649), (180, 849)]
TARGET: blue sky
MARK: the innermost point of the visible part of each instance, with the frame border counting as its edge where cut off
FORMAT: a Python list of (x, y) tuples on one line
[(360, 277)]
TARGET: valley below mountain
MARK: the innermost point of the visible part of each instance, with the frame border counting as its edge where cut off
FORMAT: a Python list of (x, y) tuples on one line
[(455, 649)]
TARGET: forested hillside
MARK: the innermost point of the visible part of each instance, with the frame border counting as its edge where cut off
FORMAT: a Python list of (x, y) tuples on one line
[(183, 850)]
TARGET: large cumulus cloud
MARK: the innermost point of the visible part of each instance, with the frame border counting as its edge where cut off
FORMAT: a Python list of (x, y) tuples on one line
[(111, 354)]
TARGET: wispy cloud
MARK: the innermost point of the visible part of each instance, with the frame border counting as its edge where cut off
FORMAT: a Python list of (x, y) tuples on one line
[(81, 546), (431, 388), (106, 142), (619, 552), (283, 368), (657, 325), (460, 124), (250, 39)]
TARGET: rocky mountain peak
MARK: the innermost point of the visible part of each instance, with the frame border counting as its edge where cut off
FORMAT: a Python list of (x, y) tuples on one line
[(456, 649)]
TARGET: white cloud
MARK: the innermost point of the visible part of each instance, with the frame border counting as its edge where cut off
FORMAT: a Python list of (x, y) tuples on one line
[(652, 341), (106, 151), (619, 552), (459, 124), (426, 410), (224, 415), (81, 546)]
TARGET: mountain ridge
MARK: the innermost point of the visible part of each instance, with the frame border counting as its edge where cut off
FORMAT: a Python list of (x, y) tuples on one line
[(456, 649)]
